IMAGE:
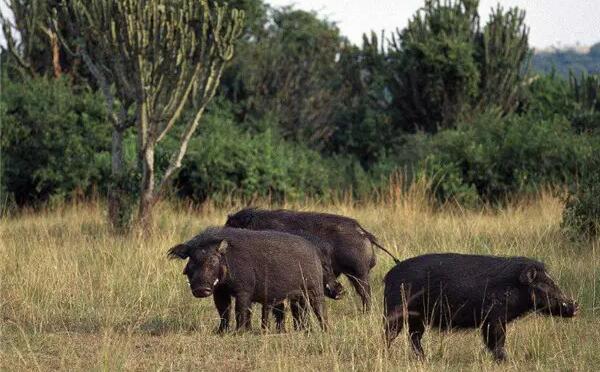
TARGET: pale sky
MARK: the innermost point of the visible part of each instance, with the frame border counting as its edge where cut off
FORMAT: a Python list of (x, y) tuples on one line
[(551, 22)]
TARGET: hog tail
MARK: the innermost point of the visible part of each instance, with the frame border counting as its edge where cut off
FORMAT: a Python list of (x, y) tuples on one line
[(374, 241)]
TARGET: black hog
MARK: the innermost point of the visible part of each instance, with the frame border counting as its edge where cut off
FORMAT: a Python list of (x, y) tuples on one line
[(265, 267), (332, 288), (468, 291), (352, 255)]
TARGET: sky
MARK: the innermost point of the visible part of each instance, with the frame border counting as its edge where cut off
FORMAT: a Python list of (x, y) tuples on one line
[(553, 23)]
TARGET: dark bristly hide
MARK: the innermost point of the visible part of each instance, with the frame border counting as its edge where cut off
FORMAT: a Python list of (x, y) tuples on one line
[(265, 267), (352, 251), (452, 290)]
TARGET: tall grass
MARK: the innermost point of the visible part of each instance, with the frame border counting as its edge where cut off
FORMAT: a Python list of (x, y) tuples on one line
[(74, 296)]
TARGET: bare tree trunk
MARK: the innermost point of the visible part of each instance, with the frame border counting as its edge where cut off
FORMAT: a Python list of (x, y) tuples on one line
[(146, 163), (55, 55), (148, 197), (118, 211)]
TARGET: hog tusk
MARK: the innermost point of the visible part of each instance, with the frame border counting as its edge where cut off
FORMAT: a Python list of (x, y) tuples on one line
[(215, 283), (327, 286)]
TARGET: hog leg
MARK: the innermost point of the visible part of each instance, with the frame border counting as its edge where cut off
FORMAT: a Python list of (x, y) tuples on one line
[(392, 328), (264, 323), (416, 328), (318, 308), (494, 336), (222, 303), (298, 307), (242, 312), (362, 287), (279, 314)]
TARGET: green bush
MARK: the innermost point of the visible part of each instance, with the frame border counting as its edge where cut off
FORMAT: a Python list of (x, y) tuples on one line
[(547, 95), (581, 216), (55, 141), (223, 160), (494, 157)]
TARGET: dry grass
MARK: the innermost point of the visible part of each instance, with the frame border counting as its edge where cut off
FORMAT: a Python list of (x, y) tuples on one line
[(73, 296)]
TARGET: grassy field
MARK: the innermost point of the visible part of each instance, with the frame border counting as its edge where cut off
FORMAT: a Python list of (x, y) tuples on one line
[(75, 297)]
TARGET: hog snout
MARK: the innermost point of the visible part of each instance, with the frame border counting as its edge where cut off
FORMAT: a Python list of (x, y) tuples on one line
[(340, 293), (569, 309), (335, 291), (201, 292)]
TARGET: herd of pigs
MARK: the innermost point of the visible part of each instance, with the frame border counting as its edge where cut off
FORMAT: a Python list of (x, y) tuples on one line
[(270, 256)]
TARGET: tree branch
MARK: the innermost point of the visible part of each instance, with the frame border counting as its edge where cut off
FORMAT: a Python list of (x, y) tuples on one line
[(12, 48), (175, 163)]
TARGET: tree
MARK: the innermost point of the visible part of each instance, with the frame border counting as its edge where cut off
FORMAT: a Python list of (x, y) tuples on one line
[(435, 75), (503, 59), (36, 50), (291, 73), (445, 69), (585, 92), (364, 127), (152, 59)]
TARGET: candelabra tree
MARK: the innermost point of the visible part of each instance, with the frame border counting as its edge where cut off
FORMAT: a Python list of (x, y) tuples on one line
[(153, 61), (504, 59), (30, 39)]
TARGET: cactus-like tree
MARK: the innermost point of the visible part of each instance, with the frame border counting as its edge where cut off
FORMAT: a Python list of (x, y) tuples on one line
[(446, 69), (153, 60), (585, 89), (435, 74), (35, 47), (504, 59)]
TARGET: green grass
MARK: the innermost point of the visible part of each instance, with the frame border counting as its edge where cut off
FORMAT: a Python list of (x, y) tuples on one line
[(75, 297)]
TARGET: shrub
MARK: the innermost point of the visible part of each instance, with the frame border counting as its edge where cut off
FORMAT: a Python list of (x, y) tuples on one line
[(55, 140), (547, 95), (497, 157), (223, 160), (581, 216)]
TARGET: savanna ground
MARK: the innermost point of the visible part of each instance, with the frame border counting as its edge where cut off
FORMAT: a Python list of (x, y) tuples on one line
[(75, 297)]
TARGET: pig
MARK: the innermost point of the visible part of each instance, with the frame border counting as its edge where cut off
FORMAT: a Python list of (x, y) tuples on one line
[(332, 288), (265, 267), (352, 254), (454, 291)]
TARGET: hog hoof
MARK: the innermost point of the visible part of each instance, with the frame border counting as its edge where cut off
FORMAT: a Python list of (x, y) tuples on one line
[(500, 355)]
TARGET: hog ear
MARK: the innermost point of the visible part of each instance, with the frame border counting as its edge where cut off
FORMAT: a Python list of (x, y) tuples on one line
[(243, 218), (528, 275), (179, 251), (222, 248)]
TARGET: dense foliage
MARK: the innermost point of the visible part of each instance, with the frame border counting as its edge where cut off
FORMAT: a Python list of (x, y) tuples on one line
[(446, 67), (581, 216), (497, 157), (55, 141), (226, 161)]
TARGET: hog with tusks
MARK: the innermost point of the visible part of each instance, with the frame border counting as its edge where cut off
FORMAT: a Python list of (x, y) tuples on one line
[(352, 252), (265, 267), (468, 291)]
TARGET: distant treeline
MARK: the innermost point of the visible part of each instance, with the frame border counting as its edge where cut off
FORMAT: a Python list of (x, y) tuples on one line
[(568, 60), (301, 112)]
